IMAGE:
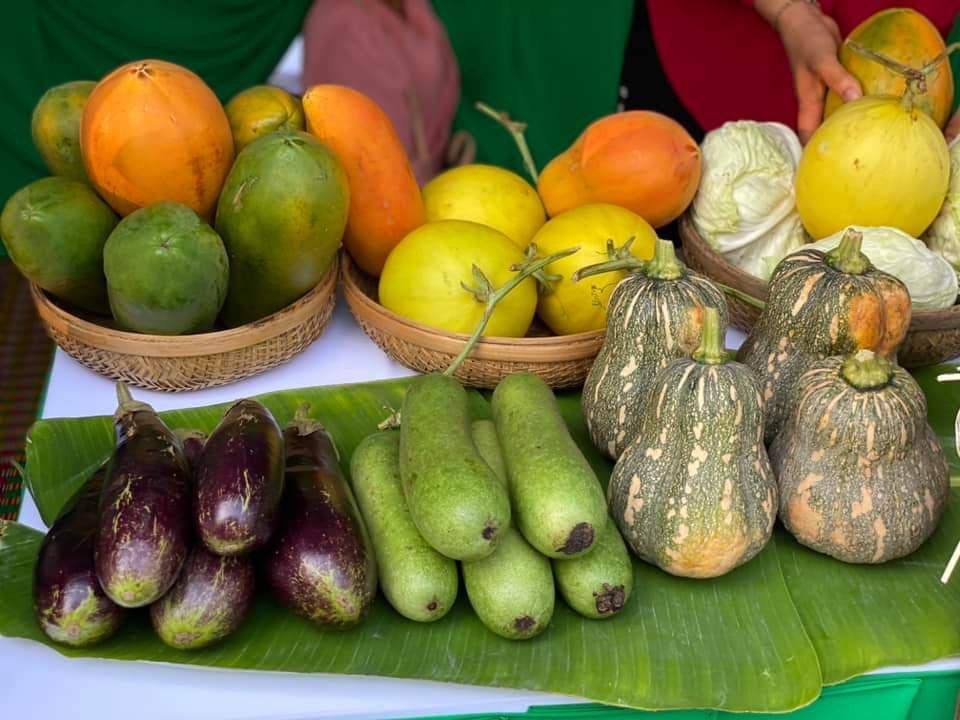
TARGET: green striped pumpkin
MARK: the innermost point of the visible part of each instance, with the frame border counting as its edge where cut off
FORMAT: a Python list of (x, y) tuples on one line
[(862, 476), (821, 304), (694, 492), (654, 316)]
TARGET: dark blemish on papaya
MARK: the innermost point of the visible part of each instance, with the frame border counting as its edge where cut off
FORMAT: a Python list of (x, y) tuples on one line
[(489, 531), (579, 539), (610, 600), (523, 623), (856, 163), (432, 605)]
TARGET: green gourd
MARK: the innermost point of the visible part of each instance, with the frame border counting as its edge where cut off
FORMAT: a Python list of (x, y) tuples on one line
[(654, 316), (694, 492), (862, 476), (821, 304)]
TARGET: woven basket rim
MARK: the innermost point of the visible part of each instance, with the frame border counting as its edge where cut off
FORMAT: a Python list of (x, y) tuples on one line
[(201, 344), (525, 349), (921, 319)]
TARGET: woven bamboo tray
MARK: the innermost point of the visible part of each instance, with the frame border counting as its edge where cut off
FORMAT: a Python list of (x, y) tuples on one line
[(562, 361), (933, 336), (191, 362)]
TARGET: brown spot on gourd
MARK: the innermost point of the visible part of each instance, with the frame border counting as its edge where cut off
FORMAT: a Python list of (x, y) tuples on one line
[(816, 455), (864, 505), (928, 502), (698, 430), (808, 482), (627, 387), (726, 457), (838, 538), (523, 623), (726, 500), (630, 367), (804, 295), (654, 453), (621, 415), (834, 329)]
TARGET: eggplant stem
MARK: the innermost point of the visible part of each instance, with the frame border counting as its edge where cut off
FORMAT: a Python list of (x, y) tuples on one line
[(493, 298), (516, 130), (123, 394), (303, 422)]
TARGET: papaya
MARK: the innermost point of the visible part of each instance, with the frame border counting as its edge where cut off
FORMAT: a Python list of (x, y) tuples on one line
[(55, 127), (261, 110), (54, 230), (166, 271), (908, 37), (385, 200), (281, 215), (640, 160), (153, 131)]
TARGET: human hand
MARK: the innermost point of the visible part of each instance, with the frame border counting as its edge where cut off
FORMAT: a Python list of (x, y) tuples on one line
[(811, 41), (952, 130)]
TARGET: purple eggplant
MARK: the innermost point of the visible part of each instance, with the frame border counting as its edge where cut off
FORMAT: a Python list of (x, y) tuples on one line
[(144, 523), (192, 441), (208, 601), (69, 603), (321, 563), (239, 481)]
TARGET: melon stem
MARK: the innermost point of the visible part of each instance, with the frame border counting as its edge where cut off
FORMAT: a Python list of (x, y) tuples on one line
[(847, 257), (516, 130), (618, 258), (485, 293), (865, 370), (711, 350)]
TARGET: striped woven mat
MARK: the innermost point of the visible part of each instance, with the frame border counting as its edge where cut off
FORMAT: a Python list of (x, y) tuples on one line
[(25, 355)]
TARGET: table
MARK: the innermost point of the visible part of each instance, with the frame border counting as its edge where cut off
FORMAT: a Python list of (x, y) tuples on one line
[(35, 681)]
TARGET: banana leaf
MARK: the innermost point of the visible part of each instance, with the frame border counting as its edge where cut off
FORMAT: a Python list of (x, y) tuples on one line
[(764, 638)]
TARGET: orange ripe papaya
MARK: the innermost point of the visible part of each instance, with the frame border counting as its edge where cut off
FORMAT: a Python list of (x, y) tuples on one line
[(153, 131), (908, 37), (640, 160), (385, 199)]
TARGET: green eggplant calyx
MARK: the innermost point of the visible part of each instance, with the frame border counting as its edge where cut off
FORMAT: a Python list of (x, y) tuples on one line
[(305, 424), (865, 370), (711, 350), (664, 265), (847, 256), (126, 405), (618, 258)]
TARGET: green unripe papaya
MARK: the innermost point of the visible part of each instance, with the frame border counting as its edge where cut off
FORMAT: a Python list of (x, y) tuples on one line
[(54, 230), (511, 590), (166, 271), (55, 127), (282, 213)]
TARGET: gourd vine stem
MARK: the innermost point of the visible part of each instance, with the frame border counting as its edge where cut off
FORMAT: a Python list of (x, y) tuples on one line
[(664, 265), (847, 257), (711, 350), (865, 370), (618, 258), (947, 52), (740, 295), (516, 130), (485, 293), (916, 78), (545, 280)]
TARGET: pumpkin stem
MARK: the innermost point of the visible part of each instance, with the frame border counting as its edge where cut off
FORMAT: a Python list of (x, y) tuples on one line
[(516, 130), (711, 350), (485, 293), (847, 257), (865, 370), (618, 258), (664, 265)]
